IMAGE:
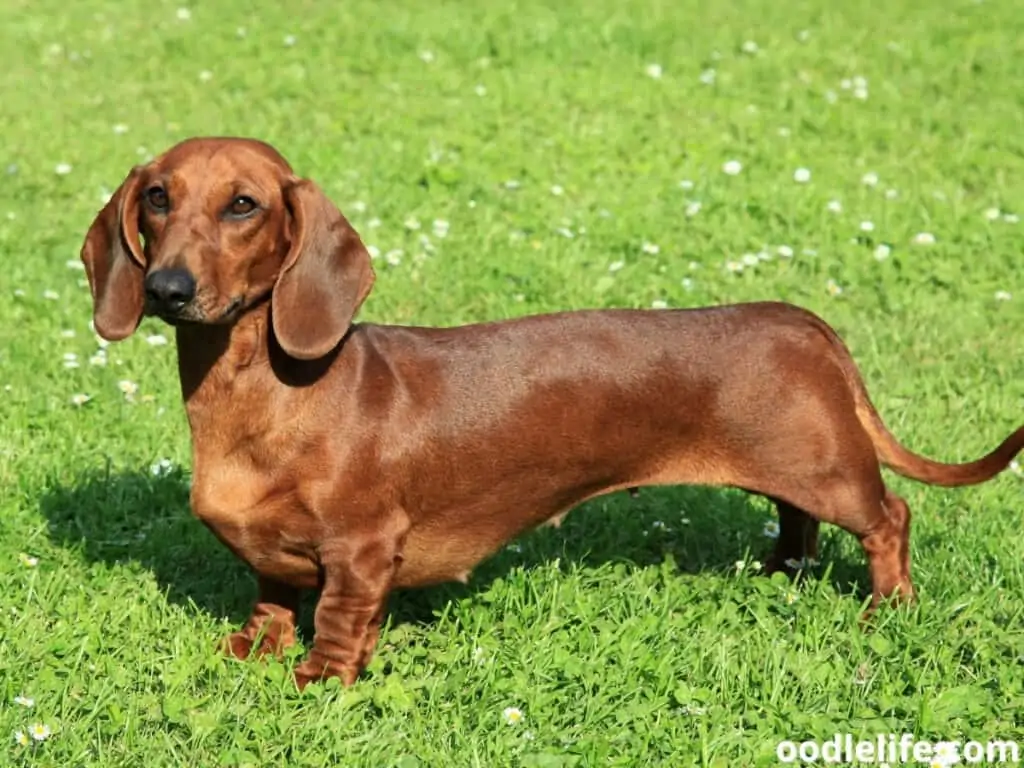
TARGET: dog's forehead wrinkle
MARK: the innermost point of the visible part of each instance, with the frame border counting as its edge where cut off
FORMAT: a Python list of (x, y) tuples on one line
[(214, 182)]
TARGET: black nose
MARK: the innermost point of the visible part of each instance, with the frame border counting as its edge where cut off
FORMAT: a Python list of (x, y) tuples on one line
[(170, 289)]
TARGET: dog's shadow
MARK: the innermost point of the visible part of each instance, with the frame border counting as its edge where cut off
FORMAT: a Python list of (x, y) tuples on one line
[(143, 520)]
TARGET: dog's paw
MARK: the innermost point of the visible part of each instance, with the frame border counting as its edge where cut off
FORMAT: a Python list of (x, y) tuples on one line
[(243, 645), (237, 645), (307, 673), (311, 671)]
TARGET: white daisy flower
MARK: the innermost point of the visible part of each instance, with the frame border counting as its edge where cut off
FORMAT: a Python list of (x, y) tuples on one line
[(732, 167), (161, 468)]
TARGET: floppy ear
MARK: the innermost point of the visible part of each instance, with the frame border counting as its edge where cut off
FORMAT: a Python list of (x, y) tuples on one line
[(114, 263), (325, 277)]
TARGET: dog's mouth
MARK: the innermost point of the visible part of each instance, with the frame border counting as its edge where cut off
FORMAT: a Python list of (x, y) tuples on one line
[(192, 314), (231, 312)]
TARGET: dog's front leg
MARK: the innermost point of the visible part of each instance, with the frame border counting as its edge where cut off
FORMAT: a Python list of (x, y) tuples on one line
[(271, 626), (357, 576)]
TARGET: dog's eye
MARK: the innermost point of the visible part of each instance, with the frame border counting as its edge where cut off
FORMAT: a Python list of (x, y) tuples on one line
[(242, 206), (157, 198)]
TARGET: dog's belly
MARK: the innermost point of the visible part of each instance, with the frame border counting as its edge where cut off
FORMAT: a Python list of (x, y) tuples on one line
[(435, 556), (452, 537)]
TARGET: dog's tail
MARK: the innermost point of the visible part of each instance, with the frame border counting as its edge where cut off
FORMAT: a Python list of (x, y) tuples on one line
[(892, 454)]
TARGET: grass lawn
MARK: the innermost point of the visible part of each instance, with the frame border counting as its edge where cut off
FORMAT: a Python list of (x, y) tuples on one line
[(504, 159)]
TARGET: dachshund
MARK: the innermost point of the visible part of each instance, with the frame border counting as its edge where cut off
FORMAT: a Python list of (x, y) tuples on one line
[(358, 458)]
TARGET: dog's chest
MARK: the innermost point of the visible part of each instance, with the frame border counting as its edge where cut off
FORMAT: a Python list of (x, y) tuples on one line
[(239, 492)]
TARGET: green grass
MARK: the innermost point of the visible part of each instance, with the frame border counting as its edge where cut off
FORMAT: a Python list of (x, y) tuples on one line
[(627, 637)]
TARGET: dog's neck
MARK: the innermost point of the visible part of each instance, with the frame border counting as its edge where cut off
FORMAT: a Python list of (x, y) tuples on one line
[(214, 359), (212, 356)]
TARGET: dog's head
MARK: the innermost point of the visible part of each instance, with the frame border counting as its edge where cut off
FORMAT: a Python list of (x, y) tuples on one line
[(226, 223)]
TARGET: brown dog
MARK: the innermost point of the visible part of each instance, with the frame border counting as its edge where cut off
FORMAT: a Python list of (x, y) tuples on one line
[(360, 458)]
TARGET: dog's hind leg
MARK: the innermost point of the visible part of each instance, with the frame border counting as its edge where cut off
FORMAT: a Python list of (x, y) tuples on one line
[(797, 544), (867, 509)]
